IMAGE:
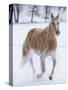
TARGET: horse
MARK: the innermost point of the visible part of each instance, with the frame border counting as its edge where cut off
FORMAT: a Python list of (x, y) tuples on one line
[(44, 43)]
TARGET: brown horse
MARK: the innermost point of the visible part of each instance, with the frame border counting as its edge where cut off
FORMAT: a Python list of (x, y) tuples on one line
[(44, 43)]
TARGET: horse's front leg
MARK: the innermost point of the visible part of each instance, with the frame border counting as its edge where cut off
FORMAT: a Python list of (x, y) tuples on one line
[(54, 64), (42, 60)]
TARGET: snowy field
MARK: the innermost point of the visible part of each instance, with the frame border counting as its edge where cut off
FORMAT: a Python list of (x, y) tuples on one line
[(24, 76)]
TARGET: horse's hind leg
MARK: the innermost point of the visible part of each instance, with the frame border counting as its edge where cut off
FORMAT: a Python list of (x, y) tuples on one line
[(52, 72), (42, 60), (33, 69)]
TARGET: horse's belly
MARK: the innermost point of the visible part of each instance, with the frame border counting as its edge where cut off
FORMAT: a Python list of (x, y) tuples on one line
[(45, 53), (37, 52)]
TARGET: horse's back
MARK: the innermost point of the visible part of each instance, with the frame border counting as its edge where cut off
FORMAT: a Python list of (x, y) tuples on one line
[(34, 32)]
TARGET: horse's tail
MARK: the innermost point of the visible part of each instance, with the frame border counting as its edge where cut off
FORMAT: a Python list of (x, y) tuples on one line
[(24, 55), (26, 47)]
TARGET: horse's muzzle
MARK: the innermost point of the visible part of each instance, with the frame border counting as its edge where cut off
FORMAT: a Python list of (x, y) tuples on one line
[(58, 32)]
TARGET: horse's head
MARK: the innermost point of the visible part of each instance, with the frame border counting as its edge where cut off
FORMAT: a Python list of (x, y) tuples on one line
[(55, 24)]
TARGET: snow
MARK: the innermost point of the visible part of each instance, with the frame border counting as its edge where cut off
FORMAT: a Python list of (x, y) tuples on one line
[(24, 75)]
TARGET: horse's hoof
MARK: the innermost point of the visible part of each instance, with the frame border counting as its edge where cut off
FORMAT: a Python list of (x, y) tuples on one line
[(34, 77), (39, 76), (50, 77)]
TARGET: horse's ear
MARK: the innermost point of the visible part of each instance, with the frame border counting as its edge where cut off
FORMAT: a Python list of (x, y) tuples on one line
[(51, 15)]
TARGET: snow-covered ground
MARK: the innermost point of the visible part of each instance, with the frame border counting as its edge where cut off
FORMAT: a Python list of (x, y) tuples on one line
[(23, 76)]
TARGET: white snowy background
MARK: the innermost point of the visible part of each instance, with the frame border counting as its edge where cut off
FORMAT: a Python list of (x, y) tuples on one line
[(24, 75)]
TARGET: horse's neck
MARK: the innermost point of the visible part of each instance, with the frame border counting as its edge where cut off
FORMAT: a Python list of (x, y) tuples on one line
[(52, 42), (51, 33), (51, 29)]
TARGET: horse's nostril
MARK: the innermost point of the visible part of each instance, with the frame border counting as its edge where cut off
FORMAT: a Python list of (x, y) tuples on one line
[(57, 32)]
